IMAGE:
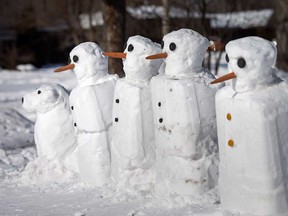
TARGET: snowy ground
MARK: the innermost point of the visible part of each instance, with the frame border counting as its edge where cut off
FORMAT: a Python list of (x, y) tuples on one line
[(74, 198)]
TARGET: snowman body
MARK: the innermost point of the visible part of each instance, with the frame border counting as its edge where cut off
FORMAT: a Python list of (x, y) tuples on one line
[(133, 142), (252, 116), (184, 120), (185, 130), (91, 105), (252, 131)]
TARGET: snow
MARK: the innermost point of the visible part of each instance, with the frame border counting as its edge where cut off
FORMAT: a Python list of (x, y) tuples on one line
[(91, 105), (133, 142), (25, 67), (39, 195), (252, 115), (190, 49), (185, 122), (88, 21), (260, 57), (241, 19)]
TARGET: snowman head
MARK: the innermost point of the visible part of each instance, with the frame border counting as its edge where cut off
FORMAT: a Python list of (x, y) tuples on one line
[(184, 51), (135, 64), (251, 61), (45, 98), (87, 60)]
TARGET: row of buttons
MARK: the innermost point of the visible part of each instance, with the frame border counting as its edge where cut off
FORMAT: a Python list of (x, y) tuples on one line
[(230, 142)]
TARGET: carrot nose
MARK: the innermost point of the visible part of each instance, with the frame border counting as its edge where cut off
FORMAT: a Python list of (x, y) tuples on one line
[(64, 68), (157, 56), (224, 78), (115, 54)]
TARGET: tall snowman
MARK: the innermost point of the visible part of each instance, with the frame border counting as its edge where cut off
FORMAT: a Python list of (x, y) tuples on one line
[(252, 116), (133, 142), (91, 103), (184, 119)]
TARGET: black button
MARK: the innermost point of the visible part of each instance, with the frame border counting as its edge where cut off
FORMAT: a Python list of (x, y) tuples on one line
[(75, 125), (159, 104), (116, 119), (72, 108), (117, 101), (39, 92), (161, 120)]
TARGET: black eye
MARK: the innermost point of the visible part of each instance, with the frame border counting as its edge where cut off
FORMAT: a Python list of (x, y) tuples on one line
[(172, 46), (69, 60), (241, 63), (227, 58), (39, 92), (75, 58), (130, 47), (162, 44), (125, 45)]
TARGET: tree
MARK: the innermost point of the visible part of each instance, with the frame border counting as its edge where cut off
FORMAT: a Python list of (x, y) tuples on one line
[(114, 19), (165, 17), (282, 34)]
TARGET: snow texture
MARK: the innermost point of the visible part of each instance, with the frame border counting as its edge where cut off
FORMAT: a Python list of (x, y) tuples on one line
[(260, 57), (91, 103), (189, 52), (252, 116), (53, 190), (133, 142), (185, 122), (54, 134)]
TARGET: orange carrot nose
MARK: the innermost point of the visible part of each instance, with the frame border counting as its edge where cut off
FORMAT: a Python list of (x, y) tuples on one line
[(115, 54), (64, 68), (224, 78), (157, 56)]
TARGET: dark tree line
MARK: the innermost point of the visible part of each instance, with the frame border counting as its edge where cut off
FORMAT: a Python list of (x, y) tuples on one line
[(66, 15)]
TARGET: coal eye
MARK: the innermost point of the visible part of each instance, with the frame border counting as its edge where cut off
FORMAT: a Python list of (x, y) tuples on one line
[(227, 58), (172, 46), (130, 47), (39, 92), (241, 63), (69, 60), (75, 58), (125, 45), (162, 44)]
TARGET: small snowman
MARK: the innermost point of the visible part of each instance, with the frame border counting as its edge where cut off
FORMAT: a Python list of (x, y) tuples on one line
[(133, 142), (91, 104), (184, 119), (54, 133), (252, 116)]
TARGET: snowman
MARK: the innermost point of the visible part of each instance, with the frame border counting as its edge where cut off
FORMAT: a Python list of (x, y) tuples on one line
[(133, 142), (252, 116), (91, 104), (184, 119)]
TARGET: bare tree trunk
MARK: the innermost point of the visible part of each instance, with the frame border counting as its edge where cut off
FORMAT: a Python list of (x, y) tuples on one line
[(165, 18), (114, 17), (282, 35)]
